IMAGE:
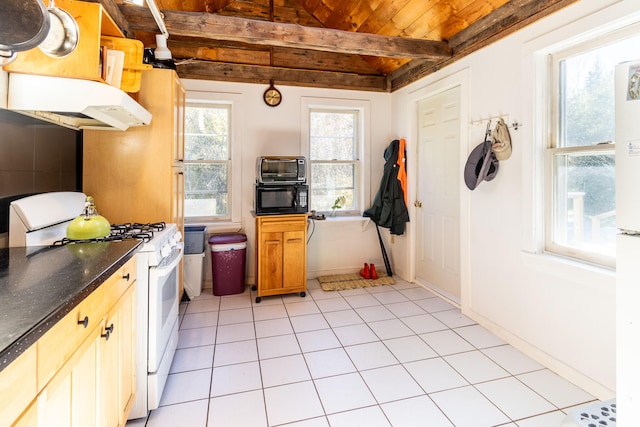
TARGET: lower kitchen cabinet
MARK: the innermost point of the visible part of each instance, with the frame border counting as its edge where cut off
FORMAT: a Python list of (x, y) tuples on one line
[(95, 384), (29, 418), (70, 397), (18, 388), (281, 254), (115, 364)]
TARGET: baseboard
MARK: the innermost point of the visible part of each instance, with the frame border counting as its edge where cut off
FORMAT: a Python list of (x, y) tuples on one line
[(577, 378)]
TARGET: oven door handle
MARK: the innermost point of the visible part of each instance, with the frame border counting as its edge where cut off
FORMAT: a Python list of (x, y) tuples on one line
[(169, 263)]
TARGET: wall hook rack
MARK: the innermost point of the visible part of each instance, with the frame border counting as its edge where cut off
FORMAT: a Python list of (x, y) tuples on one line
[(487, 121)]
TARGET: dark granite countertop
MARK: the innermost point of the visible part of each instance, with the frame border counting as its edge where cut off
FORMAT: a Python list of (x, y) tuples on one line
[(39, 285)]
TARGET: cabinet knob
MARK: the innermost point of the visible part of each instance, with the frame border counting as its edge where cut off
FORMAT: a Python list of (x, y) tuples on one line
[(84, 322), (126, 277), (107, 332)]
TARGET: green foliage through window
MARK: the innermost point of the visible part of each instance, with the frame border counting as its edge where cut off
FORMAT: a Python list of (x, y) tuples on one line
[(207, 161), (333, 151), (583, 160)]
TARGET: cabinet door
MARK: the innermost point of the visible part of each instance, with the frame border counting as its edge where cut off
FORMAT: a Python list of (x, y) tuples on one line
[(178, 154), (29, 418), (270, 260), (107, 365), (83, 388), (18, 386), (294, 263), (178, 119), (127, 355), (69, 399), (116, 363), (54, 402)]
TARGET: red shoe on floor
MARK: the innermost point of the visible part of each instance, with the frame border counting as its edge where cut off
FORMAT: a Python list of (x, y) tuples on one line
[(374, 274), (365, 272)]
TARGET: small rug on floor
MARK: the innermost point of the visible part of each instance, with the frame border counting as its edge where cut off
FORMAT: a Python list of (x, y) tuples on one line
[(338, 282)]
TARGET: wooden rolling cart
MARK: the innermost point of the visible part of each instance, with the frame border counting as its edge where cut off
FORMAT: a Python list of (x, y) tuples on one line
[(281, 255)]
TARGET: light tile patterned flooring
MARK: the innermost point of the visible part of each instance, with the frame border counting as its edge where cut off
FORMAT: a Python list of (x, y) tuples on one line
[(382, 356)]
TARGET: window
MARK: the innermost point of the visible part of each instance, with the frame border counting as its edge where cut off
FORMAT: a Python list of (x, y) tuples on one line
[(580, 158), (207, 162), (334, 146)]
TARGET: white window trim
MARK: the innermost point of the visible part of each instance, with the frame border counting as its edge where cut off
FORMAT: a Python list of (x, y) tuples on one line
[(535, 74), (235, 152), (588, 41), (363, 186)]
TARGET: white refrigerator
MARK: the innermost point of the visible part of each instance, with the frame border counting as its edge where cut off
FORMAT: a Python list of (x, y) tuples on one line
[(628, 243)]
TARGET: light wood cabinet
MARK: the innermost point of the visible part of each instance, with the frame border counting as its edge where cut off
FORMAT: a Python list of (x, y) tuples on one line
[(29, 418), (17, 386), (116, 362), (138, 175), (281, 254), (92, 384), (84, 62)]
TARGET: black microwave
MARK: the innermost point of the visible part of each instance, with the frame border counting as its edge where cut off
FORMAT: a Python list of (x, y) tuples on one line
[(281, 199)]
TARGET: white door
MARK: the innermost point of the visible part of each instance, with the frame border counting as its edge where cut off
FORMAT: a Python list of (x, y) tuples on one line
[(437, 262)]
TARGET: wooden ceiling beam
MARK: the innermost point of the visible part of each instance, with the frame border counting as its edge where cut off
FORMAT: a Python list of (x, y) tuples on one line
[(222, 71), (505, 20), (265, 33)]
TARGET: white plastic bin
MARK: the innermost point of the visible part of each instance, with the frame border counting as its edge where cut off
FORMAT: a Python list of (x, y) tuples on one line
[(193, 269)]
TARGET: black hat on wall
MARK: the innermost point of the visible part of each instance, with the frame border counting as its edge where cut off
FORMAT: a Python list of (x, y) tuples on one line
[(482, 165)]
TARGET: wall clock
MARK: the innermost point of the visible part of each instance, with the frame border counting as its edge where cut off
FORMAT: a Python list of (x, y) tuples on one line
[(272, 96)]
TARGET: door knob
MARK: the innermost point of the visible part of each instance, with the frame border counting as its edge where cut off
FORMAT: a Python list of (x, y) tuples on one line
[(417, 204)]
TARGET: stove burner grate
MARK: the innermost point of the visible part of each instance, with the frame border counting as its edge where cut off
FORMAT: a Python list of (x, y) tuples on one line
[(120, 232)]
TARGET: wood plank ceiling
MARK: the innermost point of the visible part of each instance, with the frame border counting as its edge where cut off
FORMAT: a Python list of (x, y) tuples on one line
[(373, 45)]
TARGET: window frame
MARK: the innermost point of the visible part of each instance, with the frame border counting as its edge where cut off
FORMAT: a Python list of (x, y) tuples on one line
[(363, 110), (553, 148), (232, 102)]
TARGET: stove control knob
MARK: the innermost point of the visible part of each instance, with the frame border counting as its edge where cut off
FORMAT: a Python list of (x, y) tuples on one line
[(165, 251)]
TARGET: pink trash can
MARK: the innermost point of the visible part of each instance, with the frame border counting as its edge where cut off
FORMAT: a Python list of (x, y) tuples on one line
[(228, 259)]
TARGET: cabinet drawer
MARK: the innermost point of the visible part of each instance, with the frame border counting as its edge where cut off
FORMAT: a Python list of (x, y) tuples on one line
[(277, 224), (62, 340), (17, 386)]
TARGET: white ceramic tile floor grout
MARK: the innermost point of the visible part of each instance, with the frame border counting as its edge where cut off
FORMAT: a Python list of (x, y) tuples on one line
[(386, 356)]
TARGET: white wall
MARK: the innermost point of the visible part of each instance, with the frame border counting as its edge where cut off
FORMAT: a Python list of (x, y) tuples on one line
[(559, 312), (337, 245)]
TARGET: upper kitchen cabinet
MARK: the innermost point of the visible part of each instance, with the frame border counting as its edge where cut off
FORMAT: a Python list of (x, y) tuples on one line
[(138, 175), (85, 62)]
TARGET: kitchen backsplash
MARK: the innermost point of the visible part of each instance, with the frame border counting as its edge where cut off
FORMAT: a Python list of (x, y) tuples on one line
[(36, 157)]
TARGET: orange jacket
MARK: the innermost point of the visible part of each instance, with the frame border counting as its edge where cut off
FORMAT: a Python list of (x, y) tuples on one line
[(402, 168)]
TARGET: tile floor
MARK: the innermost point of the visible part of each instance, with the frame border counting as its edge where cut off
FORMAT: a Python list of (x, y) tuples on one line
[(382, 356)]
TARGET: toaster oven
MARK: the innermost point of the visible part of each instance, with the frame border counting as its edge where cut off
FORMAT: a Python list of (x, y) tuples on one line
[(281, 170)]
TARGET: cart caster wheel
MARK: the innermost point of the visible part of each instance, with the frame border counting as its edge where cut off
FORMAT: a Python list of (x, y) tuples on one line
[(303, 294), (258, 299), (253, 287)]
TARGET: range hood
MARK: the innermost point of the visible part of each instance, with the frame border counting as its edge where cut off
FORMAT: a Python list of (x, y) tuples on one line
[(74, 103)]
